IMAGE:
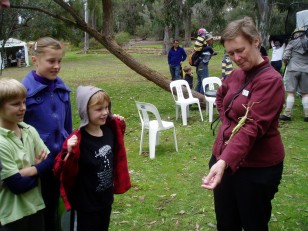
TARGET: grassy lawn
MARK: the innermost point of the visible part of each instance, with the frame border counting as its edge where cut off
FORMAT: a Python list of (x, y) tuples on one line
[(166, 192)]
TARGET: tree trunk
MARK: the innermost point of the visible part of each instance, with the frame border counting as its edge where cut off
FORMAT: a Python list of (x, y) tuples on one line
[(166, 42), (93, 19), (187, 25), (177, 31), (264, 7), (107, 18), (86, 35)]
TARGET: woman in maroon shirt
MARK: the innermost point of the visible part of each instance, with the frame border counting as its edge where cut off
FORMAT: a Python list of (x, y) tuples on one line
[(4, 4), (247, 162)]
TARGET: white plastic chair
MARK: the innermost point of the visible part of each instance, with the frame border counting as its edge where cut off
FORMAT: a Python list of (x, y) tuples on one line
[(181, 101), (210, 84), (154, 126)]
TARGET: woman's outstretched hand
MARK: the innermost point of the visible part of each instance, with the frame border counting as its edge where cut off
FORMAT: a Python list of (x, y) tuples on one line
[(214, 177)]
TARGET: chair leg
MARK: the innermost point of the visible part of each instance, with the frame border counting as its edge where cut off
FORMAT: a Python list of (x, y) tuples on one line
[(152, 142), (200, 112), (176, 112), (175, 140), (207, 108), (141, 140), (157, 139), (211, 105), (184, 114), (187, 111)]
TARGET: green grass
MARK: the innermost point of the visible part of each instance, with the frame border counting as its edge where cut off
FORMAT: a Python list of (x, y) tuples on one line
[(166, 192)]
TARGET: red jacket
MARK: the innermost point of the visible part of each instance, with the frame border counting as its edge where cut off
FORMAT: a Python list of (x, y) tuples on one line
[(67, 170), (258, 142)]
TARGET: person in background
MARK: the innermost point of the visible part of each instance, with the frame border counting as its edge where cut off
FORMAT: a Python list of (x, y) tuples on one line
[(49, 111), (176, 56), (263, 51), (9, 60), (92, 165), (202, 69), (247, 162), (277, 54), (296, 61), (189, 76), (24, 158), (226, 66), (201, 39), (18, 57), (4, 4)]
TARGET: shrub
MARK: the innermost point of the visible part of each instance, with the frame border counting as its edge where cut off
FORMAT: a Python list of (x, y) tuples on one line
[(93, 44), (122, 37)]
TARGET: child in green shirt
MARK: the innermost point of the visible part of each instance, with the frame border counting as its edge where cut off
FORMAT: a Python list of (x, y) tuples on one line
[(23, 156)]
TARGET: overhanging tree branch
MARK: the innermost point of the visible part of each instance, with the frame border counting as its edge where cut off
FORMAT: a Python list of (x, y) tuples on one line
[(106, 39), (57, 16)]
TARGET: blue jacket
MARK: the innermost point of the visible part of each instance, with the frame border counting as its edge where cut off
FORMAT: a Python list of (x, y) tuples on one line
[(176, 56), (49, 112)]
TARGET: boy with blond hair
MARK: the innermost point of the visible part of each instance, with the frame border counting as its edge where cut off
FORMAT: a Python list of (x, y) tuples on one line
[(23, 156)]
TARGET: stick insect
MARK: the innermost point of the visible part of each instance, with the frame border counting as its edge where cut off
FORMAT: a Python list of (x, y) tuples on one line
[(241, 122)]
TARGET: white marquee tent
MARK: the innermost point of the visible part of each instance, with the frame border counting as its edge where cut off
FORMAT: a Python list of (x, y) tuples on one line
[(302, 19), (12, 45)]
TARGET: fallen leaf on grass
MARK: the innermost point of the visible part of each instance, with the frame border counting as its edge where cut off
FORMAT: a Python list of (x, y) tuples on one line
[(173, 195), (211, 225), (124, 222), (160, 208), (152, 223), (181, 212)]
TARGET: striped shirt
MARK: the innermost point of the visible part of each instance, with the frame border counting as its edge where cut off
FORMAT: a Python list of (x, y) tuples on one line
[(226, 66), (200, 42)]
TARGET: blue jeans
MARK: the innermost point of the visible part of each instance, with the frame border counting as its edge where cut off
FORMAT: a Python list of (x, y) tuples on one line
[(201, 73), (175, 72)]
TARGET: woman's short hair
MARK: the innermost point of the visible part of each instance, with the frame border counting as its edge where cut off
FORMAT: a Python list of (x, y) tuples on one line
[(11, 89), (242, 27)]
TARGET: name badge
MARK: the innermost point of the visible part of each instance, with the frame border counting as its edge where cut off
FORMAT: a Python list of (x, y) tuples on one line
[(245, 92)]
